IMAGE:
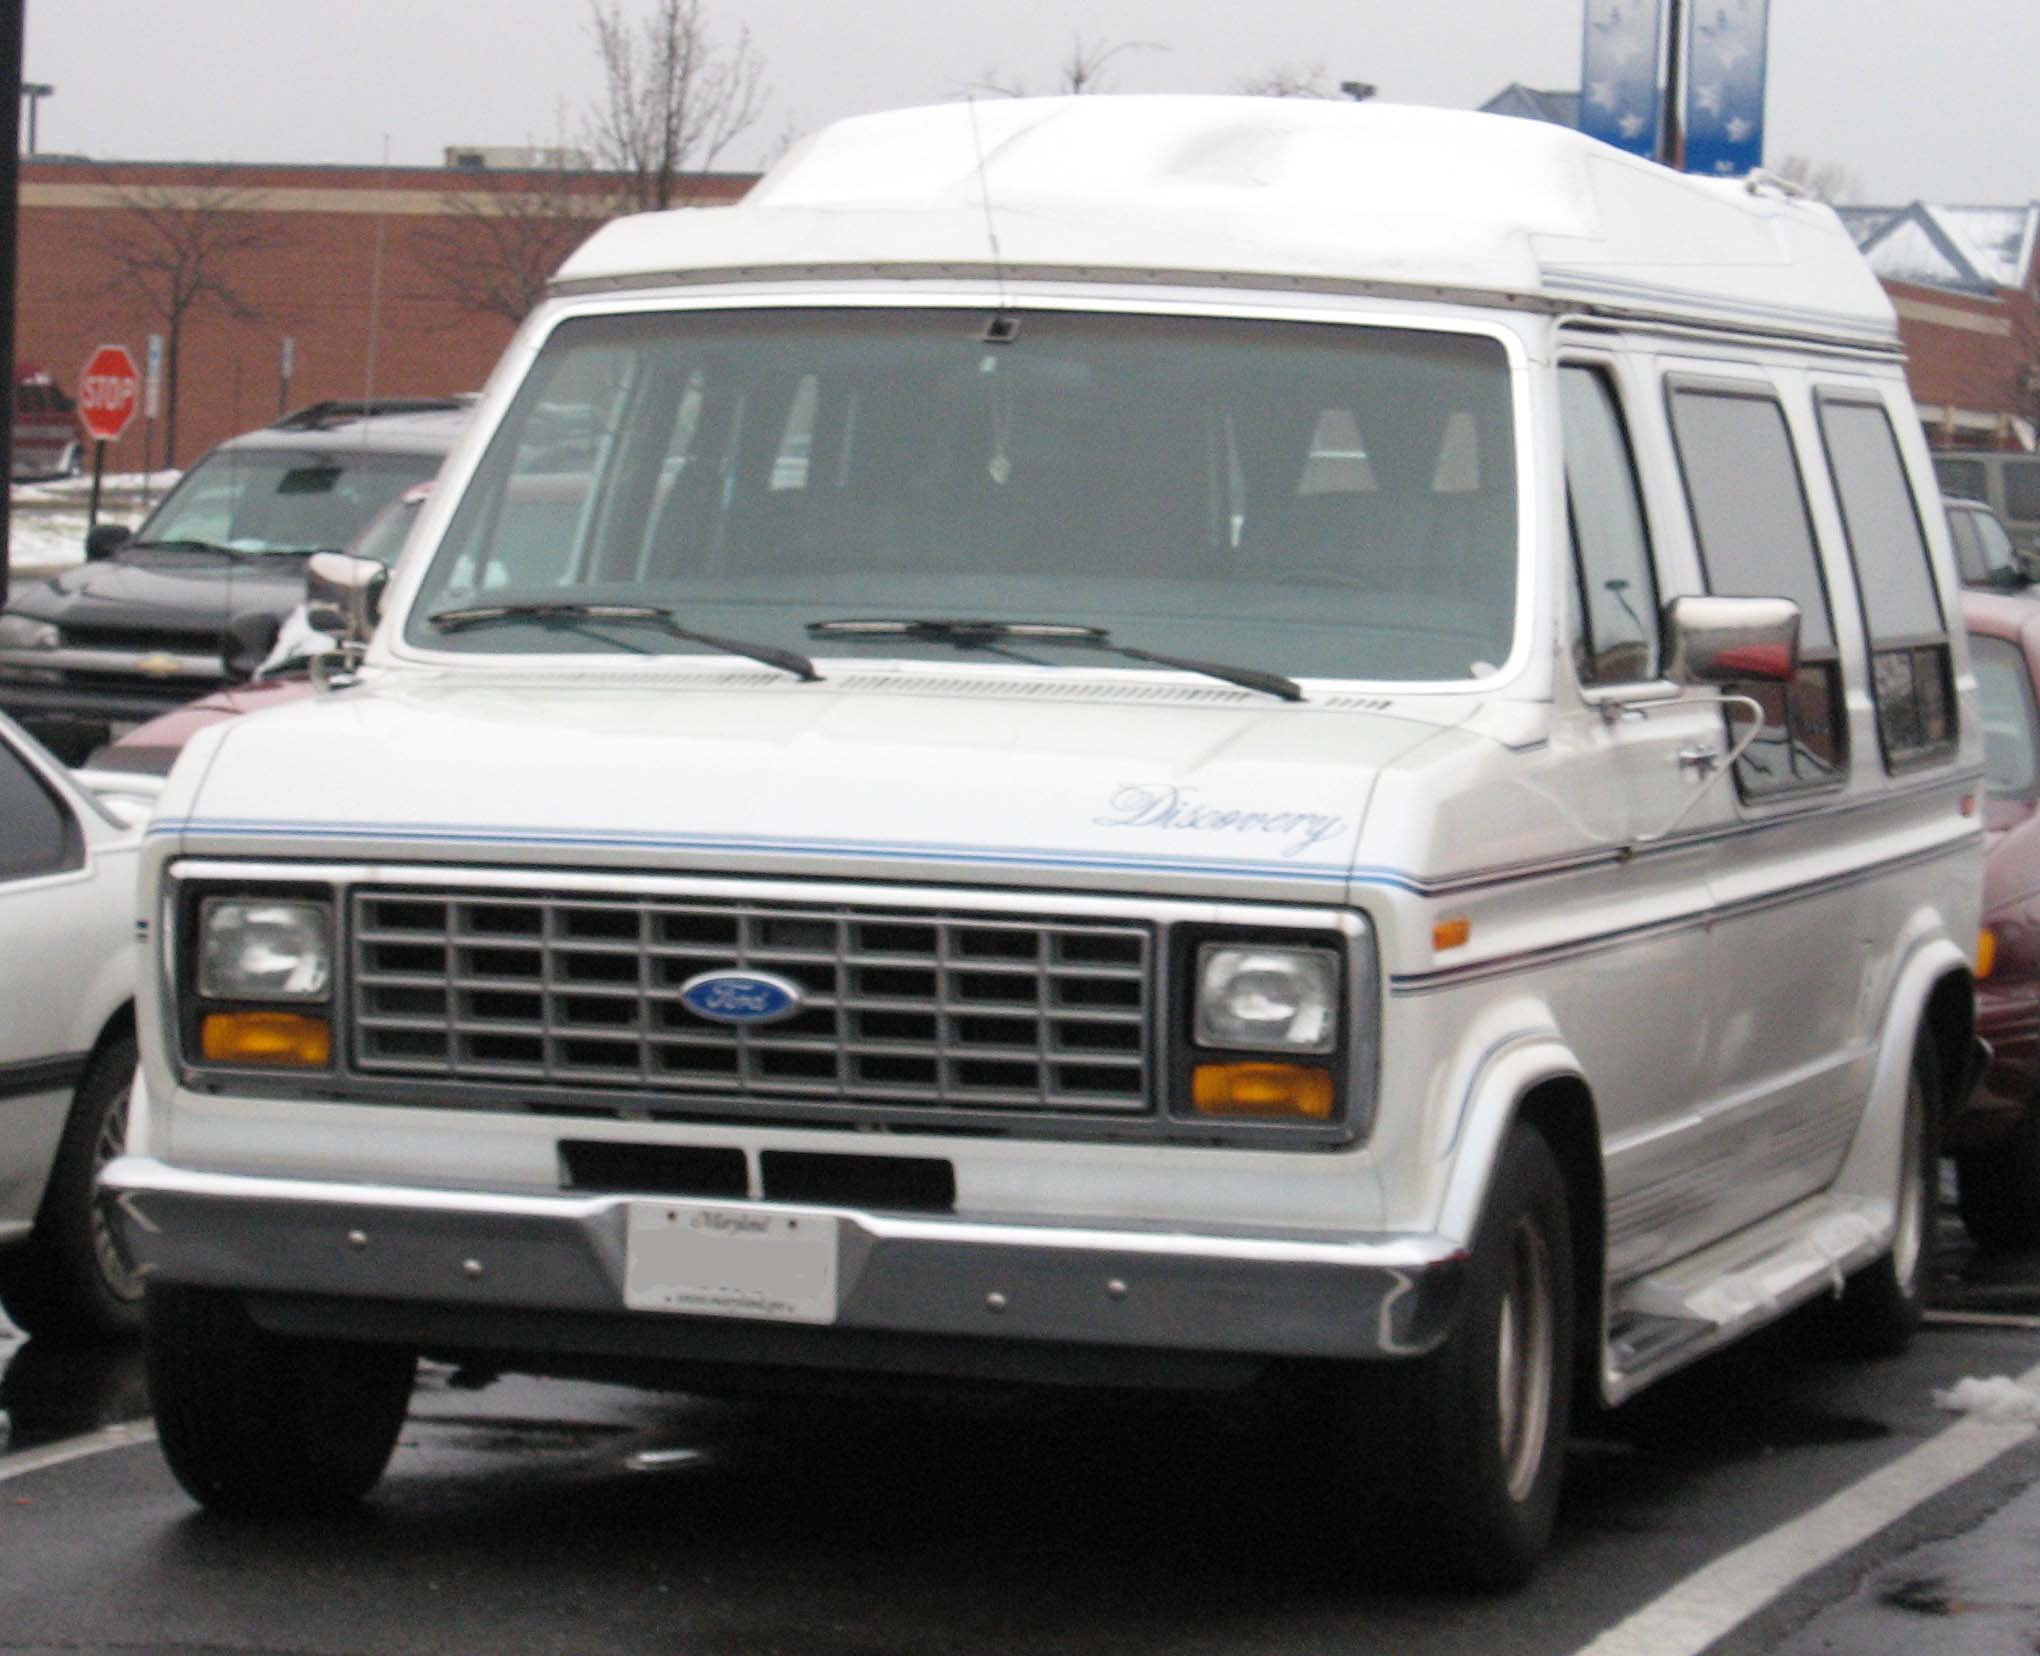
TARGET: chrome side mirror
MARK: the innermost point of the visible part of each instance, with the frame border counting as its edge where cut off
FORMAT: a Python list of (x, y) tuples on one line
[(1716, 640), (343, 595)]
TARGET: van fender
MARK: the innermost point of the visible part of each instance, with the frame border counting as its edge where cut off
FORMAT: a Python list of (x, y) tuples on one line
[(1509, 1050), (1870, 1170)]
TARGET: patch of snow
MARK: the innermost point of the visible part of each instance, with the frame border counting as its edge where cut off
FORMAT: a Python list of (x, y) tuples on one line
[(46, 521), (1999, 1398)]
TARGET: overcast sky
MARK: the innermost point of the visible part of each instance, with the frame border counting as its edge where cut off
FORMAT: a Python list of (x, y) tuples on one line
[(1917, 98)]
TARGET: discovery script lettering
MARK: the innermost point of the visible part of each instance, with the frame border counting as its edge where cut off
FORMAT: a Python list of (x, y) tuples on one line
[(1165, 805)]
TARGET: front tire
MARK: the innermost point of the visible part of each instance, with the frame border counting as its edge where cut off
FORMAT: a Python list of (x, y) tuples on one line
[(261, 1424), (71, 1279), (1458, 1456)]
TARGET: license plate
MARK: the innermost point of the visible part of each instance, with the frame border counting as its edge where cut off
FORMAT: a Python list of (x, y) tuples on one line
[(730, 1262)]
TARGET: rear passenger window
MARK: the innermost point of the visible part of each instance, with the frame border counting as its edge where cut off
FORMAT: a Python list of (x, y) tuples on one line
[(1756, 541), (1615, 640), (2011, 723), (1910, 665), (1963, 478)]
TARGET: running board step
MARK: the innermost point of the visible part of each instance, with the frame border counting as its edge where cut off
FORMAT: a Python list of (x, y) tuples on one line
[(1664, 1320)]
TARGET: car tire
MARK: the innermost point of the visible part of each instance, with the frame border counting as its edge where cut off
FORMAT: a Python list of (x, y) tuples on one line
[(71, 1279), (1453, 1460), (72, 462), (1998, 1188), (1880, 1308), (256, 1424)]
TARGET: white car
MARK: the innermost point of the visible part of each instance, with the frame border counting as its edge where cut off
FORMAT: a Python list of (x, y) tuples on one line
[(67, 1039)]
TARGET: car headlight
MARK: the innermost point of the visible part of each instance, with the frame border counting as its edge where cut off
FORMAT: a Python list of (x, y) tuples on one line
[(22, 632), (1267, 999), (264, 949)]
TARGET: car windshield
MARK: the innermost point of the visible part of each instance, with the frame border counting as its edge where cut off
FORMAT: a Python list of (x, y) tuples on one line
[(1308, 500), (296, 500)]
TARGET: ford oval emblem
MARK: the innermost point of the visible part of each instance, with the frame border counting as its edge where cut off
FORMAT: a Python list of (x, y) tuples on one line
[(742, 997)]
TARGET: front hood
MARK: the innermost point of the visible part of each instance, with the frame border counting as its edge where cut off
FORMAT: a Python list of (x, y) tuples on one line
[(989, 782), (162, 592)]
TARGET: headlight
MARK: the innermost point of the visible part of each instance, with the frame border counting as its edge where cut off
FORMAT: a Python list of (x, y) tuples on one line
[(1267, 999), (263, 949), (20, 632)]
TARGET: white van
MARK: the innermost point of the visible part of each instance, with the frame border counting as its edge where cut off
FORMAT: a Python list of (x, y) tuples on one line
[(1127, 741)]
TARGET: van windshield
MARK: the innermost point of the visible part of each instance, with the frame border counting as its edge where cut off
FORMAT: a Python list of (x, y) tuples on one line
[(1305, 499)]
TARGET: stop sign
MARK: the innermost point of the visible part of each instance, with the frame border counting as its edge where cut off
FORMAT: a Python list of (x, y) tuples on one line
[(109, 392)]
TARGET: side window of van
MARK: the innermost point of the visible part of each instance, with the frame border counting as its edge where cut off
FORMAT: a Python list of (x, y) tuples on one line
[(2022, 489), (1756, 541), (1615, 639), (1910, 664), (1962, 478)]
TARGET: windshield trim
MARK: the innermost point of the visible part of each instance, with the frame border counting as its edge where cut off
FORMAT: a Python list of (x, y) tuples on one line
[(1522, 339)]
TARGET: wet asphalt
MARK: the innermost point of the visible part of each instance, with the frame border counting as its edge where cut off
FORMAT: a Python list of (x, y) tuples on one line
[(550, 1515)]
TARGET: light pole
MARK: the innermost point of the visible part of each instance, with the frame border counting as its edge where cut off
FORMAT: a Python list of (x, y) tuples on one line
[(35, 92)]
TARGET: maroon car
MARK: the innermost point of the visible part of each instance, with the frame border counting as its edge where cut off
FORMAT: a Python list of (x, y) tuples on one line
[(1996, 1140)]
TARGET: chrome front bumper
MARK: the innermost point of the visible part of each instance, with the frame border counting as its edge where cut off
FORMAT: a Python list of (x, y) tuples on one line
[(461, 1253)]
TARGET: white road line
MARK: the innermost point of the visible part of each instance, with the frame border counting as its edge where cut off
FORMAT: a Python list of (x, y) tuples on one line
[(1714, 1601), (1981, 1319), (77, 1448)]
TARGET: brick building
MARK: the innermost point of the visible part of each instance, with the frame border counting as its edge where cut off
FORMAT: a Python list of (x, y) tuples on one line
[(1966, 284), (311, 276)]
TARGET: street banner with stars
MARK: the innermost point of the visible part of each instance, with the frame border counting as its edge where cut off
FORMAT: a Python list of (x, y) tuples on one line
[(1619, 74), (1725, 86)]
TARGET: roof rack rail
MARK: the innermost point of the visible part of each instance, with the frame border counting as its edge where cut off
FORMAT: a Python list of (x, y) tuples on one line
[(319, 416)]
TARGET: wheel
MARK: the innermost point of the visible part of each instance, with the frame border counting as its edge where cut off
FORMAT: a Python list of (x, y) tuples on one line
[(1879, 1308), (1999, 1188), (261, 1424), (71, 1278), (72, 462), (1457, 1457)]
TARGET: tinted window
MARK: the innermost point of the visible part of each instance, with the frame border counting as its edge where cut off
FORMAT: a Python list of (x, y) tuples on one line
[(2022, 488), (2011, 727), (1882, 523), (1910, 665), (1328, 501), (1961, 477), (1756, 540), (37, 835), (1618, 634)]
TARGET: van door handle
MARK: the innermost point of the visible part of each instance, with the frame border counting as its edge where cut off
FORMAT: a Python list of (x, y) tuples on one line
[(1697, 758)]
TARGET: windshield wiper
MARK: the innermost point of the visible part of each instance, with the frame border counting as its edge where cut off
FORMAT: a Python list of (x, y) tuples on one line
[(237, 554), (484, 615), (965, 633)]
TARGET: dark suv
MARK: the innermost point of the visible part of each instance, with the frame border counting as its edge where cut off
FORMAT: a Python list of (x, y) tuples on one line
[(193, 597)]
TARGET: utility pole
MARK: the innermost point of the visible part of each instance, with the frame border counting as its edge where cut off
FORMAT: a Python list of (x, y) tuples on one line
[(12, 20)]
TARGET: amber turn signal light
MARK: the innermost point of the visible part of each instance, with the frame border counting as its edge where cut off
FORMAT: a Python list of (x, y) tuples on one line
[(1986, 952), (1262, 1091), (290, 1039)]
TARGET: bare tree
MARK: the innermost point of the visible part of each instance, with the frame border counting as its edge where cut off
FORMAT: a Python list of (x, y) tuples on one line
[(1829, 181), (1291, 80), (674, 98), (1081, 71), (500, 240), (174, 248)]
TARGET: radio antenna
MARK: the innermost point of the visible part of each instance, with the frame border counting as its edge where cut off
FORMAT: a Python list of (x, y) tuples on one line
[(1002, 327)]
